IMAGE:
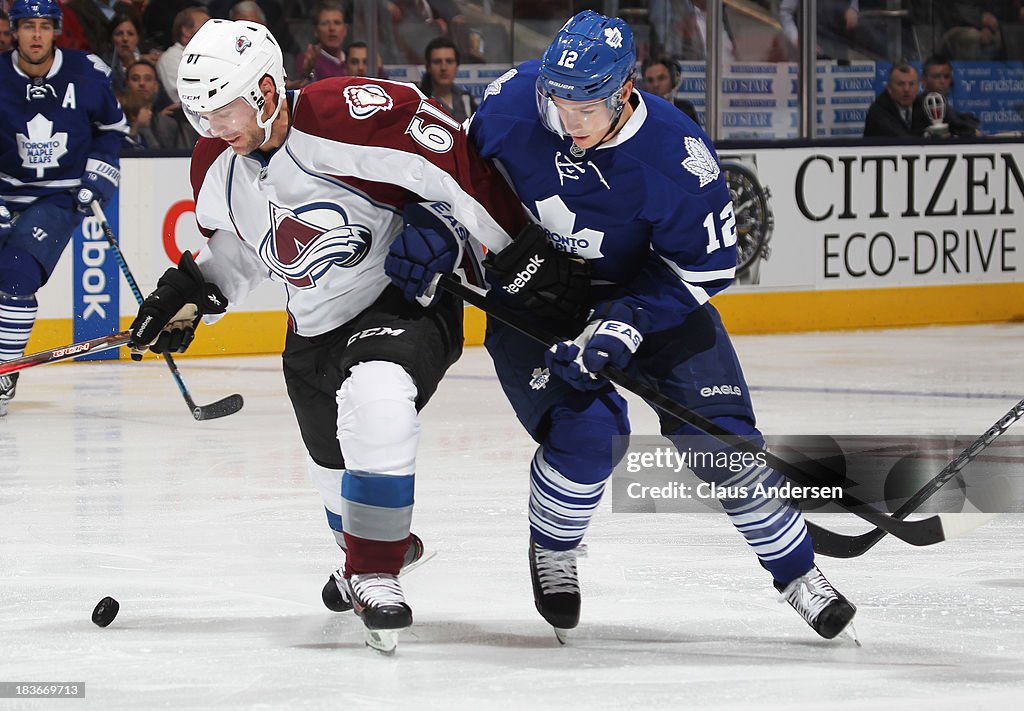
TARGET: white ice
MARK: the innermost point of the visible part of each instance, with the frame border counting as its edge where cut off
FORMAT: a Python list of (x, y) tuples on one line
[(216, 547)]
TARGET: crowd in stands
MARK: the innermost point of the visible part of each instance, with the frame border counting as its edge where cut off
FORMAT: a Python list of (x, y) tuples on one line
[(143, 41)]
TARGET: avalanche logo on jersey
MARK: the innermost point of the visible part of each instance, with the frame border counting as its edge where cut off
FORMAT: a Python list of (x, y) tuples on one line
[(367, 99), (559, 223), (699, 161), (301, 251), (242, 43), (41, 148)]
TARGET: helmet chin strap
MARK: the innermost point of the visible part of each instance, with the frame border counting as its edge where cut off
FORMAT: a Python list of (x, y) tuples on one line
[(268, 126)]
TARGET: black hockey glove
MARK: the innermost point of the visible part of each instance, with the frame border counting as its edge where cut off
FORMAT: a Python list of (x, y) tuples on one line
[(168, 317), (549, 282)]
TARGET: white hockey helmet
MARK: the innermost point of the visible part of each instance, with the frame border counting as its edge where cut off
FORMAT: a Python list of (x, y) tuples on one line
[(224, 61)]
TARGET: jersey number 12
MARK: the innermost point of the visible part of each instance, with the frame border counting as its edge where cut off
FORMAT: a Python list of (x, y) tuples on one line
[(726, 236)]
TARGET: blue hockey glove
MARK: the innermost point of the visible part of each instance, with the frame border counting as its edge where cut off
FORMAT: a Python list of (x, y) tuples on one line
[(6, 220), (417, 256), (98, 183), (612, 336)]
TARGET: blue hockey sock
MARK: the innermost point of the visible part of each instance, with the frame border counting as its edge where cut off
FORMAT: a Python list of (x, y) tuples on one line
[(772, 526), (17, 316)]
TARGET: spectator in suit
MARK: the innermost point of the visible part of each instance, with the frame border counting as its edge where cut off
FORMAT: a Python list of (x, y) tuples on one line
[(938, 78), (898, 110)]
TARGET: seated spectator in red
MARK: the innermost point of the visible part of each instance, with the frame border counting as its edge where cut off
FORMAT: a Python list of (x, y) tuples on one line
[(72, 34), (442, 61), (898, 110), (324, 58)]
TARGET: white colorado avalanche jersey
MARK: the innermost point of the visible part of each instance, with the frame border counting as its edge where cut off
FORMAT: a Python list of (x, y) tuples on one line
[(320, 212)]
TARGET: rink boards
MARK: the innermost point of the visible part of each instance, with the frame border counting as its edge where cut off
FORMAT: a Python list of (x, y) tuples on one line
[(857, 237)]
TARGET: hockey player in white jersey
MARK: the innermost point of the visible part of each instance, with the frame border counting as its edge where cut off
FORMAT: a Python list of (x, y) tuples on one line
[(309, 188), (623, 180), (60, 136)]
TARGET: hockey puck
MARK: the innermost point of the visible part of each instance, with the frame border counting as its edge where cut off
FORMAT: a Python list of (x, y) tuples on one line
[(105, 611)]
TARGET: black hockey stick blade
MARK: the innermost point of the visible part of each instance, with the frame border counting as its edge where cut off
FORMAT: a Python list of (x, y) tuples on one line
[(222, 408), (923, 532), (838, 545)]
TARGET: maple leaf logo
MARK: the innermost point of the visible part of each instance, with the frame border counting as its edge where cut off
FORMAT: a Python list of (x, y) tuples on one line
[(41, 148), (560, 224), (699, 160)]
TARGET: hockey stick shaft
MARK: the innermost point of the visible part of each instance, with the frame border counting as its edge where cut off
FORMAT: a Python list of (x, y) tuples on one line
[(843, 546), (920, 533), (226, 406), (93, 345)]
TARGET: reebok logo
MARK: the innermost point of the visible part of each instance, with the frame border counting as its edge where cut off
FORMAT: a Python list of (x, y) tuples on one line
[(523, 277)]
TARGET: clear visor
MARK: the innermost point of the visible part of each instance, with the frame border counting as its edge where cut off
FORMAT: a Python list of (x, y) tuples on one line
[(227, 121), (575, 118)]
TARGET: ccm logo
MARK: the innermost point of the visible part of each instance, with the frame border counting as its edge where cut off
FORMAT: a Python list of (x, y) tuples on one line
[(70, 350), (370, 332), (523, 277), (721, 390)]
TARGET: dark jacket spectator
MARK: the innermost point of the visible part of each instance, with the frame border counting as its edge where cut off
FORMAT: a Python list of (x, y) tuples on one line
[(898, 110)]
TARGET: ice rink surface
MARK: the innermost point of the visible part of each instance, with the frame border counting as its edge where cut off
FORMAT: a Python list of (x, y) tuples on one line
[(216, 547)]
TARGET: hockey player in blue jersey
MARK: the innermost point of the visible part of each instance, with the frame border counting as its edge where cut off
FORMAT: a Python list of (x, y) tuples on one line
[(60, 136), (624, 181)]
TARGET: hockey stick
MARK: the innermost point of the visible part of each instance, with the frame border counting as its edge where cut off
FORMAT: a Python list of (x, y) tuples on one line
[(923, 532), (838, 545), (94, 345), (223, 407)]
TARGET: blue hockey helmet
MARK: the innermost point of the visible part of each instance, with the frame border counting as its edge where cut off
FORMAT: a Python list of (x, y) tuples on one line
[(25, 9), (592, 58)]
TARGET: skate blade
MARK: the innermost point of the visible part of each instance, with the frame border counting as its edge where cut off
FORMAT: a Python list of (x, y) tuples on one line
[(427, 555), (382, 641), (850, 634), (562, 635)]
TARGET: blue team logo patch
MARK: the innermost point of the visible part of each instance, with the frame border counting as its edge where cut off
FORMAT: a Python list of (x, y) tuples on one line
[(304, 243), (242, 43), (559, 223)]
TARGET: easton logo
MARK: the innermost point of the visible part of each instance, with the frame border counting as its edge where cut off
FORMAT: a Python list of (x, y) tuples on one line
[(367, 99), (71, 350)]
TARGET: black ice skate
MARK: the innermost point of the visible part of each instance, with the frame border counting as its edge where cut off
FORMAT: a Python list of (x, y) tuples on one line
[(556, 587), (335, 594), (8, 384), (820, 604), (379, 601)]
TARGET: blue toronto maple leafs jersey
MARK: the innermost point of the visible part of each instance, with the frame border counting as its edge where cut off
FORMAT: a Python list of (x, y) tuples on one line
[(649, 210), (51, 127)]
